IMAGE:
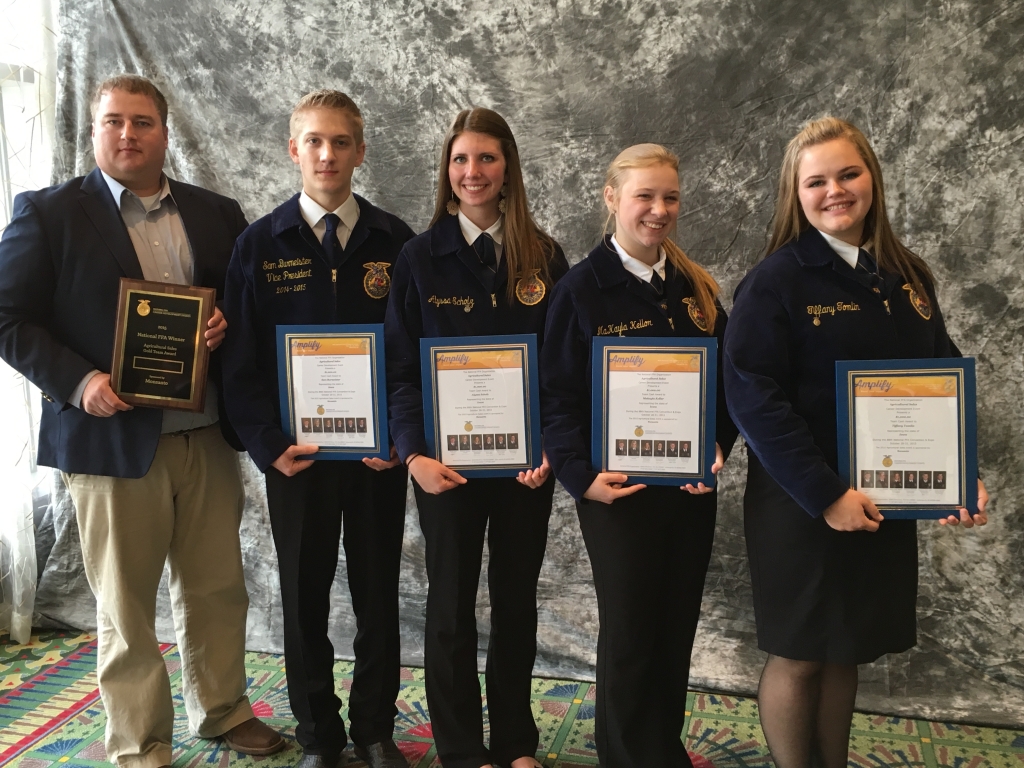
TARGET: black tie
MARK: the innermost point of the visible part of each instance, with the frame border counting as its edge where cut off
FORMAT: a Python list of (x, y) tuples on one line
[(657, 284), (484, 247), (865, 262), (332, 248)]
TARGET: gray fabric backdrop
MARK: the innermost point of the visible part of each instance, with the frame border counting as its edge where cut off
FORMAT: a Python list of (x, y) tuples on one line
[(935, 83)]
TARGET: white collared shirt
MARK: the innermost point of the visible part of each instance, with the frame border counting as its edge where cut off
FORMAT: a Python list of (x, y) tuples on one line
[(848, 253), (637, 267), (471, 232), (314, 213)]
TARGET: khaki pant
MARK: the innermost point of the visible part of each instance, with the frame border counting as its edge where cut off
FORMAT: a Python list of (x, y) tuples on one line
[(186, 511)]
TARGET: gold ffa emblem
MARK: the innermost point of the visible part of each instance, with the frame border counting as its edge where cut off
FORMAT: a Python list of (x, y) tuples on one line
[(320, 410), (639, 431), (530, 290), (143, 308), (887, 461), (377, 281), (922, 306), (469, 426), (695, 313)]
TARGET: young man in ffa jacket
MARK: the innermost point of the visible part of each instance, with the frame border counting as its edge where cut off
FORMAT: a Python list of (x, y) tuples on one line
[(149, 485), (322, 257)]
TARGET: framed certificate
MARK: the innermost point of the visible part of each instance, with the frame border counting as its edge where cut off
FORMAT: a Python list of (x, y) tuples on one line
[(908, 434), (654, 408), (333, 390), (160, 353), (481, 403)]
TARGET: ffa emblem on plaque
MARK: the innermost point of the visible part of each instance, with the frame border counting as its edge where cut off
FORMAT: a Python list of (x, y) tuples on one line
[(887, 461), (377, 281), (531, 290), (320, 410), (922, 306), (695, 313), (639, 431), (143, 308), (469, 426)]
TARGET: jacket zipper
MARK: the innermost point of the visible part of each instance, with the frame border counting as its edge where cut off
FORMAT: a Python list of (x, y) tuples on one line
[(494, 300)]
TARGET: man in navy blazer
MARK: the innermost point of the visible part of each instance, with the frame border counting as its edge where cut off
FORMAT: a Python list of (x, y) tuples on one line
[(148, 485)]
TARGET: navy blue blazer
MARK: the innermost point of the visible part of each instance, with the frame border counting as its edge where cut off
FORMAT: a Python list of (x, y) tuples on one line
[(61, 261), (441, 289), (600, 298), (795, 314), (279, 275)]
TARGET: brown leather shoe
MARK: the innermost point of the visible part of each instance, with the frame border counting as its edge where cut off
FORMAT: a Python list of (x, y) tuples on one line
[(254, 737)]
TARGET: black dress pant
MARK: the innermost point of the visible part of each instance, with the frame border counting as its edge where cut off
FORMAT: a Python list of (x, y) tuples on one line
[(306, 513), (453, 523), (649, 553)]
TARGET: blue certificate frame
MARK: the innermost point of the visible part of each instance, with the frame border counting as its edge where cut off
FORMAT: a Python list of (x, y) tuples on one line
[(612, 352), (909, 380), (441, 349), (292, 422)]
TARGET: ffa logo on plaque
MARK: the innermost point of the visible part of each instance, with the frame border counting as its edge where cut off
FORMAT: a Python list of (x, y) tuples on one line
[(143, 308), (887, 461), (695, 313), (531, 290), (377, 281), (639, 431), (918, 303), (469, 426), (320, 410)]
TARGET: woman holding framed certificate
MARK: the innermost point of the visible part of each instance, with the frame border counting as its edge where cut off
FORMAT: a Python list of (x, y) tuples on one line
[(483, 268), (833, 588), (649, 545)]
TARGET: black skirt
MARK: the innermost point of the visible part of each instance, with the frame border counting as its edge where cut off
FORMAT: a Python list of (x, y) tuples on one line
[(821, 594)]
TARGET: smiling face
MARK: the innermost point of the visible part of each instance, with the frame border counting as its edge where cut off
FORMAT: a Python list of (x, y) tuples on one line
[(326, 152), (129, 140), (476, 170), (645, 206), (834, 185)]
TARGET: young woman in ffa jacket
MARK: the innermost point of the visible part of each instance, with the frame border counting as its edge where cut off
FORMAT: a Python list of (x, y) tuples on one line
[(649, 547), (833, 585), (483, 268)]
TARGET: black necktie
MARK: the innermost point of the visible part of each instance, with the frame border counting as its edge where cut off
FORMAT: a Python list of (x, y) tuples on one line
[(484, 247), (657, 284), (332, 248), (865, 262)]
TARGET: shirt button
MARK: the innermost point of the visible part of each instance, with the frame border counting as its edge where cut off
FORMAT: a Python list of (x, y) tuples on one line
[(167, 274), (664, 306), (156, 242)]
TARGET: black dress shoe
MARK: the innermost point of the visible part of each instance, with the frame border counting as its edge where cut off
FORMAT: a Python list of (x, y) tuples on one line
[(318, 761), (383, 754)]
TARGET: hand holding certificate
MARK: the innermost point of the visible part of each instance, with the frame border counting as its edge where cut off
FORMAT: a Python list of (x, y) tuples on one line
[(654, 409), (907, 434), (331, 381)]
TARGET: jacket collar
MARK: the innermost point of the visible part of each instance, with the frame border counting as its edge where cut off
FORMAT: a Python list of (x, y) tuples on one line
[(607, 265), (446, 237), (102, 209), (288, 215), (812, 250)]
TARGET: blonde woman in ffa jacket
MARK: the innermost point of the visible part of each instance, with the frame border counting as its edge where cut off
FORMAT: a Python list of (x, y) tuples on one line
[(322, 257), (834, 585), (649, 546), (483, 268)]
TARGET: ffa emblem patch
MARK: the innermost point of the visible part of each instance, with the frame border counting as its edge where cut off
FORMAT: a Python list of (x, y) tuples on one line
[(143, 308), (531, 290), (377, 281), (695, 313), (922, 306)]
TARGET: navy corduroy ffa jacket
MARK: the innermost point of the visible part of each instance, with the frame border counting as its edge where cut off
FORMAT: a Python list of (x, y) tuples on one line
[(441, 289), (795, 314), (279, 275), (600, 298)]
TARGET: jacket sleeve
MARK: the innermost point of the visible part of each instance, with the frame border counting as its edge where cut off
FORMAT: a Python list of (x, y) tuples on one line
[(725, 428), (28, 281), (251, 402), (757, 363), (565, 394), (403, 328)]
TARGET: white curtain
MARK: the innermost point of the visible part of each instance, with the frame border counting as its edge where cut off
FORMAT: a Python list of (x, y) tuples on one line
[(28, 62)]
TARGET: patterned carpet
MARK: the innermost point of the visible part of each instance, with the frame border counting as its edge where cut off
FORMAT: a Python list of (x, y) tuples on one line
[(50, 713)]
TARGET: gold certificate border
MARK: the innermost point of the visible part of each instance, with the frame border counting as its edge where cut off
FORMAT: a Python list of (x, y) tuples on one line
[(524, 348), (362, 449), (627, 348), (961, 412)]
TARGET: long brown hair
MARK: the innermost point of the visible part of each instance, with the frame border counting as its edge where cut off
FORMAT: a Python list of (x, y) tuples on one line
[(526, 247), (705, 288), (789, 219)]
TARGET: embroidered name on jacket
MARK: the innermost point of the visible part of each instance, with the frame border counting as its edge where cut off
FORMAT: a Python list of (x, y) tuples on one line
[(817, 310), (619, 328), (466, 302)]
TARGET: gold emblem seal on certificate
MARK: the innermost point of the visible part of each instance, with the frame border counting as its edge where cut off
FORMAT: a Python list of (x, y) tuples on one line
[(143, 308), (377, 281), (639, 431), (320, 410), (469, 426), (697, 316), (922, 306), (530, 290), (887, 461)]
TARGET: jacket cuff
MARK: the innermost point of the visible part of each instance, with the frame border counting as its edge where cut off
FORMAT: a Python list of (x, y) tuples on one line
[(828, 489), (406, 445), (270, 449), (576, 477)]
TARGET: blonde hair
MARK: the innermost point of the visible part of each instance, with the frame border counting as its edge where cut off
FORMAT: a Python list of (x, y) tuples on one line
[(326, 99), (526, 246), (135, 84), (789, 219), (705, 288)]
